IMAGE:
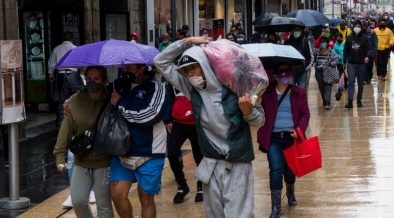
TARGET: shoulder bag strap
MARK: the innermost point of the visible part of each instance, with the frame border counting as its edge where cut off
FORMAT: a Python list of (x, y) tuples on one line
[(284, 94)]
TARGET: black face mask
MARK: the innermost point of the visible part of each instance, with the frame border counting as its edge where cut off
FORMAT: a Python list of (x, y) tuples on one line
[(93, 87), (339, 41), (382, 26)]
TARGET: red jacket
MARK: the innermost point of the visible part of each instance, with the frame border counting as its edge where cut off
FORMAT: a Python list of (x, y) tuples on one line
[(330, 43), (269, 101)]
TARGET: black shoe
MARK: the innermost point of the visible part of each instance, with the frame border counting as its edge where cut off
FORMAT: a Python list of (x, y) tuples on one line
[(338, 96), (181, 193), (359, 103), (327, 107), (199, 196), (349, 104)]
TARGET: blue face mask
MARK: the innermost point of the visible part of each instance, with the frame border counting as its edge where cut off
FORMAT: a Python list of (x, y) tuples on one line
[(323, 45)]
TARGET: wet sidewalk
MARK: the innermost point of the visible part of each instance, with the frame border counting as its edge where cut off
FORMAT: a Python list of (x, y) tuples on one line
[(356, 179)]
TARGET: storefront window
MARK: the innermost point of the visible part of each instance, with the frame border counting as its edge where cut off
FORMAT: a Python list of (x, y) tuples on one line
[(163, 17)]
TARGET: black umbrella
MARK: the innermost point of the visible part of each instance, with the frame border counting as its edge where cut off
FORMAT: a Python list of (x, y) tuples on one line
[(278, 24), (309, 17), (263, 17)]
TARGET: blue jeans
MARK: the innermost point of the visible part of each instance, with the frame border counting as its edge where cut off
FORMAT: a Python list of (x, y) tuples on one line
[(356, 71), (278, 167), (70, 164), (301, 79)]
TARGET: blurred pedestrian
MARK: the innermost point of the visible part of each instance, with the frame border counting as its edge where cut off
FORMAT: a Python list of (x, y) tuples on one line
[(373, 39), (56, 76), (90, 170), (231, 37), (325, 58), (385, 42), (164, 41), (286, 108), (222, 122), (144, 105), (240, 37), (356, 54), (272, 38), (180, 34), (338, 49), (301, 43), (204, 32), (134, 37)]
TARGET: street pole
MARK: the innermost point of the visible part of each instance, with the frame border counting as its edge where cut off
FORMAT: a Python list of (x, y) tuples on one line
[(14, 201)]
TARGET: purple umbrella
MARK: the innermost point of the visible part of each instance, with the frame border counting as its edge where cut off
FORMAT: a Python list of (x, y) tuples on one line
[(108, 53)]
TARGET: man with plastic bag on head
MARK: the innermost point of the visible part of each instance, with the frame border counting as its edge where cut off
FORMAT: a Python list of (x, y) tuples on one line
[(223, 126)]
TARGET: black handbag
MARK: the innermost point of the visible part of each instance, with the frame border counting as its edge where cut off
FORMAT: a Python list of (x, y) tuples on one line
[(113, 136), (83, 143)]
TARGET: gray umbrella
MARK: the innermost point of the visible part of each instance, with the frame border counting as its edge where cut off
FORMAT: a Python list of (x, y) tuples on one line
[(309, 17), (263, 17), (278, 24)]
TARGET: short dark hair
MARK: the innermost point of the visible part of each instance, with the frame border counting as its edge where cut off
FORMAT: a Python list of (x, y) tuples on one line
[(101, 69), (357, 22), (68, 36)]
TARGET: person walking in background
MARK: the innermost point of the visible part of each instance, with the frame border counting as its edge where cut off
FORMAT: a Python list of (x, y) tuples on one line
[(134, 37), (356, 54), (180, 34), (272, 38), (338, 49), (301, 43), (325, 57), (385, 42), (373, 39), (144, 106), (240, 37), (344, 30), (164, 41), (204, 32), (286, 108), (90, 170), (222, 122), (56, 76), (182, 127), (231, 37)]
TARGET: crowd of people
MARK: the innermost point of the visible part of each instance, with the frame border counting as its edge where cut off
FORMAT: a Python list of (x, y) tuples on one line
[(174, 100)]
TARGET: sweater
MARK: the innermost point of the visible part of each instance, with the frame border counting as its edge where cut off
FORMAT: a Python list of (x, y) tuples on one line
[(269, 101), (83, 113)]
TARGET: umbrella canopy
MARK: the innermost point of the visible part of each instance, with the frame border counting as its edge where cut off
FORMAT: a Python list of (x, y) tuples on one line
[(108, 53), (272, 54), (278, 24), (309, 17), (265, 16), (335, 21)]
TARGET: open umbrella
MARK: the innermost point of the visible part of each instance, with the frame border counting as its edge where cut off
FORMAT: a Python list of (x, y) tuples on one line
[(335, 21), (108, 53), (278, 24), (272, 54), (263, 17), (309, 17)]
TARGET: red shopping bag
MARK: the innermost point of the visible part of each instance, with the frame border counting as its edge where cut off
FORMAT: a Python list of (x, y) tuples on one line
[(304, 156)]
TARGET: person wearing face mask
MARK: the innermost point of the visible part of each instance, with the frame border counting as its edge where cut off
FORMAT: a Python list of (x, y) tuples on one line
[(223, 122), (385, 43), (325, 57), (204, 32), (286, 108), (164, 42), (325, 33), (90, 170), (356, 54), (302, 44), (145, 106), (338, 49)]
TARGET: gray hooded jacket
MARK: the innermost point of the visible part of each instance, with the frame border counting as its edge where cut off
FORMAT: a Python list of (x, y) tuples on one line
[(212, 118)]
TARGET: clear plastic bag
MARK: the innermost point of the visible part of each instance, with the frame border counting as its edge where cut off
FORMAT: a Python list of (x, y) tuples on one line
[(236, 69)]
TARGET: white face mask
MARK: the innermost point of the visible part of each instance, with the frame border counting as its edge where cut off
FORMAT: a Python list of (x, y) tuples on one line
[(357, 30), (296, 34), (197, 81), (133, 40), (205, 35)]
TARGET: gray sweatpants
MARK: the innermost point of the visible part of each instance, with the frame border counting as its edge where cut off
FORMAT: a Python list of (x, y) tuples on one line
[(82, 181), (230, 192)]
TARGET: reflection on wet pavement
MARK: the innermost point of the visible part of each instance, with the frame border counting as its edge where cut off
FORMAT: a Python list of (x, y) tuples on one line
[(356, 179)]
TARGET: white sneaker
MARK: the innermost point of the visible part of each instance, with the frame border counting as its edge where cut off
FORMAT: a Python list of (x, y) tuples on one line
[(68, 203), (92, 198)]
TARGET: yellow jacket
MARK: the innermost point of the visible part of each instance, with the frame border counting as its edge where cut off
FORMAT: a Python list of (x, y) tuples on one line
[(385, 38), (345, 33)]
